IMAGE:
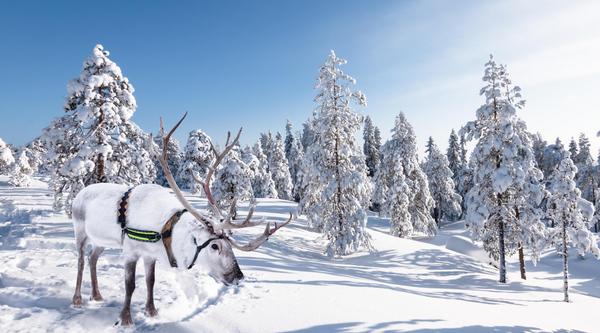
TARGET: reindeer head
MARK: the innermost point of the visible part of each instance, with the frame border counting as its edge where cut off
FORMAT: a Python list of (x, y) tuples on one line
[(208, 243)]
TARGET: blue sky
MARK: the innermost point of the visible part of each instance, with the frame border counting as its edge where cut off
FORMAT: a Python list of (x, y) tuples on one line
[(254, 63)]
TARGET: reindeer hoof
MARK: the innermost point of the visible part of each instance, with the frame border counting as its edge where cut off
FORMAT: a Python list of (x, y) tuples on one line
[(77, 302), (97, 298), (126, 320), (151, 311)]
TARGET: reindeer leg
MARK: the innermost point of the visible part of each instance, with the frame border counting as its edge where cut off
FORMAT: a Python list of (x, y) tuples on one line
[(80, 264), (96, 252), (129, 288), (150, 265)]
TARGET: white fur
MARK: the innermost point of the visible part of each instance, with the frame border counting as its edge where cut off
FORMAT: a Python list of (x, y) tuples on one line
[(95, 212)]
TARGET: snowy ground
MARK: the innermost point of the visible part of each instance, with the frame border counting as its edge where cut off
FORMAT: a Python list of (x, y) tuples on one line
[(408, 285)]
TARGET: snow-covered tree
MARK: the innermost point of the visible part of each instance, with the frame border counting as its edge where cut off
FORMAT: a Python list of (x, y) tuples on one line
[(400, 220), (6, 157), (571, 215), (232, 181), (584, 156), (22, 171), (266, 143), (197, 158), (294, 155), (453, 154), (262, 181), (441, 185), (552, 156), (175, 159), (573, 149), (97, 141), (36, 153), (337, 164), (280, 171), (402, 148), (539, 148), (503, 166), (371, 146)]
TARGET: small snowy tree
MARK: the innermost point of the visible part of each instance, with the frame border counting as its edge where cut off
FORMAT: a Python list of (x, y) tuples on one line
[(337, 164), (36, 153), (573, 149), (6, 157), (175, 159), (539, 148), (262, 182), (453, 154), (197, 158), (400, 220), (441, 185), (371, 146), (280, 171), (503, 165), (571, 215), (22, 171), (402, 148), (552, 156), (232, 181)]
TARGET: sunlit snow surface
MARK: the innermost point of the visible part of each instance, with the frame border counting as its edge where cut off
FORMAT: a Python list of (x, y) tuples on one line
[(408, 285)]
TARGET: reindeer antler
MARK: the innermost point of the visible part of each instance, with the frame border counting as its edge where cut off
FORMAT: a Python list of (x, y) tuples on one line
[(227, 222)]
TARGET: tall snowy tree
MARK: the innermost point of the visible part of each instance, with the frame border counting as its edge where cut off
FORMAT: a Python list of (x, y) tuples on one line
[(441, 185), (197, 158), (571, 215), (262, 182), (280, 171), (402, 148), (371, 146), (6, 157), (337, 162), (294, 155), (99, 142), (22, 171), (504, 164), (453, 154)]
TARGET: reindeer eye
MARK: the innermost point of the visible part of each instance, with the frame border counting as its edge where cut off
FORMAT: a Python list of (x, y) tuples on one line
[(215, 247)]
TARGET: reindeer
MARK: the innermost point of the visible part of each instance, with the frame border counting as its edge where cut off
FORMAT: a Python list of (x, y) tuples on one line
[(157, 226)]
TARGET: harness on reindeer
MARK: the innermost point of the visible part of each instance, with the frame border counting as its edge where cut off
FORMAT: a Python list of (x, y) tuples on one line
[(152, 236)]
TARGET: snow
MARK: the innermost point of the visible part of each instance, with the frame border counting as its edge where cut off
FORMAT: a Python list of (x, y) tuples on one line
[(421, 285)]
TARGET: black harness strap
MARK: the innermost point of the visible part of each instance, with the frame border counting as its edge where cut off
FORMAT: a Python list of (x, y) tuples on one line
[(150, 236), (199, 248)]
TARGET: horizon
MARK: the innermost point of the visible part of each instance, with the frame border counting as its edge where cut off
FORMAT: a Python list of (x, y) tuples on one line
[(256, 64)]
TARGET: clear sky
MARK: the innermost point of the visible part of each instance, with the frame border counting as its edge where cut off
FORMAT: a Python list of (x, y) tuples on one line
[(254, 63)]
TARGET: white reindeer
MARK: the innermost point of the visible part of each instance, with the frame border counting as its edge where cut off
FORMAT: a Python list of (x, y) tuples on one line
[(193, 238)]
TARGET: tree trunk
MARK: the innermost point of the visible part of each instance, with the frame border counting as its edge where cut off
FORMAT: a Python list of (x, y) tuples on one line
[(565, 263), (100, 176), (502, 253), (522, 262)]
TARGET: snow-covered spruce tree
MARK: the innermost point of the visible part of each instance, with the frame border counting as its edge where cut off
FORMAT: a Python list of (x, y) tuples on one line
[(232, 181), (197, 158), (571, 215), (457, 162), (22, 171), (99, 142), (36, 152), (587, 175), (266, 143), (262, 183), (337, 164), (371, 146), (294, 154), (400, 221), (310, 184), (573, 149), (453, 154), (539, 148), (280, 171), (6, 157), (553, 154), (175, 160), (503, 165), (402, 148), (441, 185)]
